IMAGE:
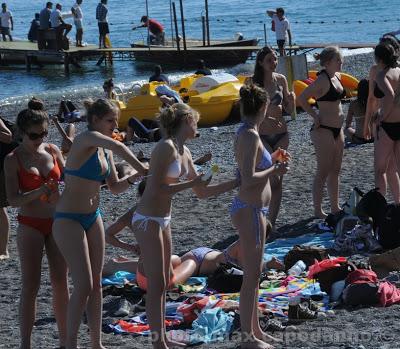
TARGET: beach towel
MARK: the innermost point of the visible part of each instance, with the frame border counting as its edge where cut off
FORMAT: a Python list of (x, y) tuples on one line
[(119, 278), (388, 294)]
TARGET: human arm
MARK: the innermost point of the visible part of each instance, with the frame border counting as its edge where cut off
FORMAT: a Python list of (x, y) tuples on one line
[(96, 139), (139, 26), (12, 22), (350, 115), (372, 103), (314, 90), (204, 191), (388, 100), (289, 98), (62, 132), (289, 36), (271, 13), (15, 197), (116, 227), (5, 133)]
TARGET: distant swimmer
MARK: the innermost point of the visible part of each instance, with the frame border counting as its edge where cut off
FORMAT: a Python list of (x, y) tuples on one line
[(156, 30), (281, 27)]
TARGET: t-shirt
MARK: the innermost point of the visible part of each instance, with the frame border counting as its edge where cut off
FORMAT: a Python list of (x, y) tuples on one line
[(78, 14), (6, 19), (55, 18), (155, 27), (281, 27), (44, 18), (101, 13)]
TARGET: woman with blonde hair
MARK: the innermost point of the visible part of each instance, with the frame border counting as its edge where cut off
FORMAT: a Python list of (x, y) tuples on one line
[(33, 171), (326, 132), (78, 227), (249, 208), (171, 171)]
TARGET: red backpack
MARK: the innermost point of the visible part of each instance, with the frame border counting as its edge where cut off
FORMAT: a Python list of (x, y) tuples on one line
[(361, 276)]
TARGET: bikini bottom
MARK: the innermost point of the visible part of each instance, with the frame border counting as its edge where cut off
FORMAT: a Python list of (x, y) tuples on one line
[(238, 204), (86, 220), (392, 129), (335, 130), (163, 222), (273, 140), (43, 225)]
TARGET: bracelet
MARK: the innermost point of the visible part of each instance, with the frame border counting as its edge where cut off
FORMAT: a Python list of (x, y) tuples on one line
[(129, 182)]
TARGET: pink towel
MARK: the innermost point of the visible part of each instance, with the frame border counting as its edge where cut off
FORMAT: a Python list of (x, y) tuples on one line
[(388, 294)]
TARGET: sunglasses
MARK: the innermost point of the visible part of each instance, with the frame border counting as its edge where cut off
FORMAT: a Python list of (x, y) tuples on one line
[(34, 136)]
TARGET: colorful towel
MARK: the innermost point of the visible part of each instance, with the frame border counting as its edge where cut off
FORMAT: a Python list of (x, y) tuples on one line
[(119, 278)]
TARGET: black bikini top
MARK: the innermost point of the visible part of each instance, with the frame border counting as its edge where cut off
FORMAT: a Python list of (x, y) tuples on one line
[(378, 92), (332, 95)]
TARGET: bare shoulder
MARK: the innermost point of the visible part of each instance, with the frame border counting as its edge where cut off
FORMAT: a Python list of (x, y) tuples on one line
[(187, 152), (280, 77), (164, 147)]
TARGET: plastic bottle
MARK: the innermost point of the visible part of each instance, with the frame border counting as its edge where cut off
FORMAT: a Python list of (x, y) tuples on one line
[(213, 170), (297, 269)]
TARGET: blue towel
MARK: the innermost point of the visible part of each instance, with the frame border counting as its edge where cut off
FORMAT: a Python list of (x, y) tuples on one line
[(119, 278)]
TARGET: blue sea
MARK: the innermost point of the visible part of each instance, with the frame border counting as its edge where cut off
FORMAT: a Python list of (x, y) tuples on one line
[(313, 21)]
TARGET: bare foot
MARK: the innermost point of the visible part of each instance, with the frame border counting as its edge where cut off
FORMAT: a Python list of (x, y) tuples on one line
[(265, 337), (254, 343), (321, 214), (172, 344)]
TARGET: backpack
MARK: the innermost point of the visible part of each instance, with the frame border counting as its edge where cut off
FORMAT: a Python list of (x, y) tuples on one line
[(308, 254), (388, 230), (362, 288), (225, 279), (372, 205)]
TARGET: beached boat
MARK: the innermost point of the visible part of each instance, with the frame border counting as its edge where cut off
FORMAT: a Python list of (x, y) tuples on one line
[(212, 96), (217, 54)]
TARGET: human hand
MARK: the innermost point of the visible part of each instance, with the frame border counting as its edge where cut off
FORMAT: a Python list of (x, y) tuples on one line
[(280, 168), (199, 180), (281, 155), (367, 132)]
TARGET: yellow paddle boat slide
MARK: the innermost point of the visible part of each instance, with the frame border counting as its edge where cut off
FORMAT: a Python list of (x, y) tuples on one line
[(212, 96)]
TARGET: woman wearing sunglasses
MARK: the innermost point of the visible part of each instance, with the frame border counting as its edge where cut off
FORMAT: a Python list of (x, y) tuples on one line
[(78, 226), (33, 171)]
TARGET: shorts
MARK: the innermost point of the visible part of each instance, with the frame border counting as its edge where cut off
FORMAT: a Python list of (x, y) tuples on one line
[(281, 43), (5, 31), (3, 196), (78, 24), (103, 28)]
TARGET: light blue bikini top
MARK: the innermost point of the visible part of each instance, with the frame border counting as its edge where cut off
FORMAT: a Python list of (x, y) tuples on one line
[(266, 159), (91, 169)]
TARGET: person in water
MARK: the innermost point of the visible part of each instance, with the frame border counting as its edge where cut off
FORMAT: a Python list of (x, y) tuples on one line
[(326, 132)]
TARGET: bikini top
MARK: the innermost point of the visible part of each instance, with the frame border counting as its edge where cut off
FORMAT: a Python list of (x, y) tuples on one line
[(277, 99), (266, 159), (175, 169), (378, 92), (91, 169), (332, 95), (30, 181), (229, 258)]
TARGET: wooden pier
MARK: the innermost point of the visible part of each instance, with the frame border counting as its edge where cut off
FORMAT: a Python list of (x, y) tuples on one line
[(25, 52)]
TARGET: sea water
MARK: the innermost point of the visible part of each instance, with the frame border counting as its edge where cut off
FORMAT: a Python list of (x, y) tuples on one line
[(313, 21)]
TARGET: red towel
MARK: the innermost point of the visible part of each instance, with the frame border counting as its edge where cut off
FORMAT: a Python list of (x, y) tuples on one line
[(388, 294)]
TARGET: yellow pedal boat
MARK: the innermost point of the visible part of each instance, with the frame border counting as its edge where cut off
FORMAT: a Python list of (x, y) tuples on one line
[(212, 96)]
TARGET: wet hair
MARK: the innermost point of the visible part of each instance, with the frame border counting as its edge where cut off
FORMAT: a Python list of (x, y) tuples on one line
[(362, 94), (258, 76), (99, 108), (280, 10), (252, 99), (141, 187), (172, 117), (32, 116), (157, 69), (327, 54), (387, 53), (108, 83)]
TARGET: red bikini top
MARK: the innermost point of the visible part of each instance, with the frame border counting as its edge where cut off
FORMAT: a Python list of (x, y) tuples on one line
[(30, 181)]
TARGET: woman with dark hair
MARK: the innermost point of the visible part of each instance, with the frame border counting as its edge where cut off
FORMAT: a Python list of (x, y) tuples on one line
[(249, 208), (356, 111), (78, 227), (171, 171), (385, 105), (33, 171), (273, 130), (326, 132)]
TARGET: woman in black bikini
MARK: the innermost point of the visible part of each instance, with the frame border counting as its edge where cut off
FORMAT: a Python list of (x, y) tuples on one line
[(385, 77), (326, 132), (273, 130)]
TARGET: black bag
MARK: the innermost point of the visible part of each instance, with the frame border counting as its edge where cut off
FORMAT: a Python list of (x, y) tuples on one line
[(308, 254), (328, 277), (223, 280), (388, 230), (361, 294), (372, 205)]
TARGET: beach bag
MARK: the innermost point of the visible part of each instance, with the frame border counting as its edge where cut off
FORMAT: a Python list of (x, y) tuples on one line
[(308, 254), (225, 279), (372, 205), (362, 288), (388, 230)]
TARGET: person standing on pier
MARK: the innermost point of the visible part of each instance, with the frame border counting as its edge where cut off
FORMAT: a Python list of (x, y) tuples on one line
[(78, 21), (7, 23), (281, 27), (101, 16)]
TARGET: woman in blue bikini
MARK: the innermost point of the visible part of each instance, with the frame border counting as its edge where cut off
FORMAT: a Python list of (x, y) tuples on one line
[(78, 228), (171, 171), (250, 207)]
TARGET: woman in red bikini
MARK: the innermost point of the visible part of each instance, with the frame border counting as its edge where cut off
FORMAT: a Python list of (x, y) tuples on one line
[(33, 171)]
